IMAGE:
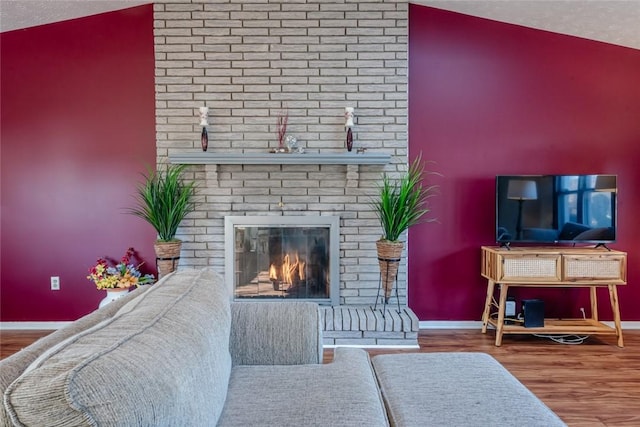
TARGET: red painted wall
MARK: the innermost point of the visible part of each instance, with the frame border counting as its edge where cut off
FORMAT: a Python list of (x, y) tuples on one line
[(78, 128), (488, 98)]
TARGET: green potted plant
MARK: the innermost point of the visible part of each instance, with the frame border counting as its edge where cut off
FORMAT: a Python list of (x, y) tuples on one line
[(164, 200), (400, 204)]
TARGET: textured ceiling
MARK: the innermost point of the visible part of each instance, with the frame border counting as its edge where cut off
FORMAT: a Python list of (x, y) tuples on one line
[(16, 14), (611, 21)]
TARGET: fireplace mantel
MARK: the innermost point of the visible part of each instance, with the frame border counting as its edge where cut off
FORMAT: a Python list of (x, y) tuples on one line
[(344, 158), (351, 160)]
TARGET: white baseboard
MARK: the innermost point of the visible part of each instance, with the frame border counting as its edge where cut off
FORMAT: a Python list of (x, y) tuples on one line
[(630, 325), (32, 326), (472, 324), (450, 324)]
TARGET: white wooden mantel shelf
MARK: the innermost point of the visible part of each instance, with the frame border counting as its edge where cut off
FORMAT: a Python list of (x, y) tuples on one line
[(351, 160)]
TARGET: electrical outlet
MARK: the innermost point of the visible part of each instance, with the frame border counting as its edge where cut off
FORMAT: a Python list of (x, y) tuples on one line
[(55, 283)]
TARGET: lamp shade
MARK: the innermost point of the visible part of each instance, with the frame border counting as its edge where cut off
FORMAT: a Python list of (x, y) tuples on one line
[(606, 183), (522, 190)]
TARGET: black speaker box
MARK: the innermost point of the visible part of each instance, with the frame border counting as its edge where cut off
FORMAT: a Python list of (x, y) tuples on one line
[(533, 313)]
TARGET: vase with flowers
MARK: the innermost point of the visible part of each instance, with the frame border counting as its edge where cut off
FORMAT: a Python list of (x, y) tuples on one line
[(118, 278)]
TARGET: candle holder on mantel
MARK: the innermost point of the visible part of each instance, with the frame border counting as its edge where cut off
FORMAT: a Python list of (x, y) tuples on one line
[(204, 122), (348, 115)]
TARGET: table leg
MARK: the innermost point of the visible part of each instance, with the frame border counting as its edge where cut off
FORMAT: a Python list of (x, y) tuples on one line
[(594, 303), (501, 306), (615, 308), (487, 306)]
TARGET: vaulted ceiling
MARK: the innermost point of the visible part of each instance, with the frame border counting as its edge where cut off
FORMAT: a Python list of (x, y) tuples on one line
[(610, 21), (17, 14)]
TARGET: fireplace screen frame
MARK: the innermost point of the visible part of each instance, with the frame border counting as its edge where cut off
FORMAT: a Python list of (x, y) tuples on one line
[(332, 222)]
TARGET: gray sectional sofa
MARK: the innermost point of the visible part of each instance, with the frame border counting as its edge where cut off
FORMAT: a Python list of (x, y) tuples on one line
[(180, 353)]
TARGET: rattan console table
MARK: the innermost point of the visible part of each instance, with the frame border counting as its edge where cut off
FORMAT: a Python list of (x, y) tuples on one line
[(553, 267)]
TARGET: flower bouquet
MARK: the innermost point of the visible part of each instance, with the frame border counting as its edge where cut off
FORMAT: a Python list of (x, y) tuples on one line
[(122, 275)]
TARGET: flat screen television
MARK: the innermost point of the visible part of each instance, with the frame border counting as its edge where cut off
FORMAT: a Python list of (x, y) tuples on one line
[(556, 208)]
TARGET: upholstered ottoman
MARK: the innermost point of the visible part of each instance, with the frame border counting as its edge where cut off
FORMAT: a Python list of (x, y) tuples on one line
[(456, 389)]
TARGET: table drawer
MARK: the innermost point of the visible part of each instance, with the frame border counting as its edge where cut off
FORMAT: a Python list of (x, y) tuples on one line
[(530, 267), (610, 268)]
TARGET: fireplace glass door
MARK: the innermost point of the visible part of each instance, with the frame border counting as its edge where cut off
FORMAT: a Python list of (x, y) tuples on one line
[(282, 261)]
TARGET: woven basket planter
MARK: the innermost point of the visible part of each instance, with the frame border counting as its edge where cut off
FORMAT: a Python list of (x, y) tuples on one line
[(389, 254), (167, 256)]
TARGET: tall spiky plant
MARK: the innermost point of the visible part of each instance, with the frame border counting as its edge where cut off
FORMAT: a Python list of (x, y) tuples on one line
[(164, 199), (402, 203)]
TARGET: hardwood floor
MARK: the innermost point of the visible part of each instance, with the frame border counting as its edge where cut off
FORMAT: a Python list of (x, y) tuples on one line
[(592, 384), (13, 341)]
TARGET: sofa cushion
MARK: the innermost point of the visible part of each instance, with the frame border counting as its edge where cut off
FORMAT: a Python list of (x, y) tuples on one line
[(13, 366), (456, 389), (275, 333), (342, 393), (169, 343)]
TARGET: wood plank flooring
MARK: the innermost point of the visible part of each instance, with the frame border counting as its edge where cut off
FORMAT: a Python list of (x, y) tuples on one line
[(587, 385)]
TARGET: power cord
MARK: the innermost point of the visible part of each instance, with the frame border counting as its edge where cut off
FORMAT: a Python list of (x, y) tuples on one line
[(560, 339), (507, 320), (567, 339)]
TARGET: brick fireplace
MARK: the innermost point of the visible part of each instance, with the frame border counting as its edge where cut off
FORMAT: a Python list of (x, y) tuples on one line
[(339, 185), (250, 62)]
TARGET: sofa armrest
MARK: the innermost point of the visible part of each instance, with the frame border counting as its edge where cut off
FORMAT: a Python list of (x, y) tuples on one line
[(275, 333)]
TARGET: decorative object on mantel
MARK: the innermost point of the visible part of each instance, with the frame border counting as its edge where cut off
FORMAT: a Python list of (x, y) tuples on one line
[(204, 122), (291, 146), (118, 278), (348, 116), (164, 200), (291, 143), (400, 204), (281, 129)]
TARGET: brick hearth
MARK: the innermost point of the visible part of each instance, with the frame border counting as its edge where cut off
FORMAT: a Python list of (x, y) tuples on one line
[(366, 326)]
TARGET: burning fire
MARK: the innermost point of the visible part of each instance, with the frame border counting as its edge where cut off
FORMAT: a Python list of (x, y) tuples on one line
[(292, 271)]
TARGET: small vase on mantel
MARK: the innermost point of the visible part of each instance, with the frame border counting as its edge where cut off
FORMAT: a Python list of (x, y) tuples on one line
[(112, 295)]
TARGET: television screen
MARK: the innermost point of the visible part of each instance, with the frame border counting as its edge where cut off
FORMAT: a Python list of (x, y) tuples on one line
[(556, 208)]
